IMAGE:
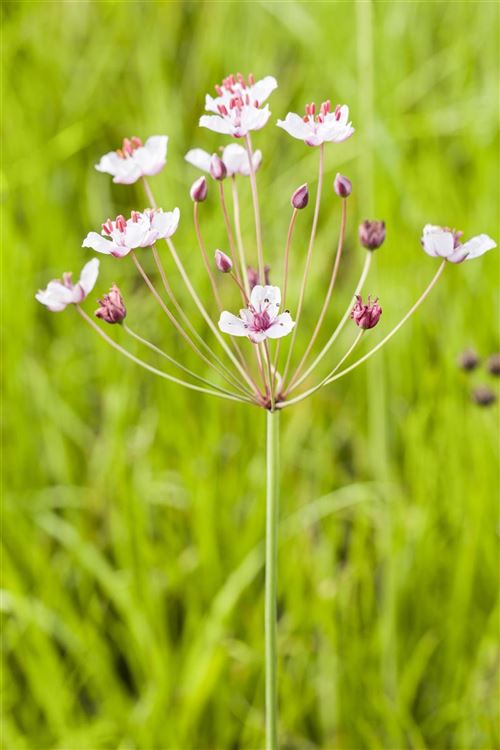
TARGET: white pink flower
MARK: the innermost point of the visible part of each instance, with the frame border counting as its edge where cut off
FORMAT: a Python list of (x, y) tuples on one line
[(134, 160), (119, 237), (234, 157), (61, 293), (442, 242), (260, 320), (238, 105), (324, 127)]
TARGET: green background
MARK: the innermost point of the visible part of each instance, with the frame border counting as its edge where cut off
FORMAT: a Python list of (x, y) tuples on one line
[(133, 611)]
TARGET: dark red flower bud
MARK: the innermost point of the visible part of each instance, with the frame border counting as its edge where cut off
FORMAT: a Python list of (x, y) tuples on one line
[(253, 276), (372, 234), (483, 396), (342, 186), (494, 364), (300, 198), (199, 190), (366, 316), (111, 307), (223, 262), (217, 168)]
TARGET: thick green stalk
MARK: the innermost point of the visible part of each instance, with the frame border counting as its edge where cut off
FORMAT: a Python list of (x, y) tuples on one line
[(272, 515)]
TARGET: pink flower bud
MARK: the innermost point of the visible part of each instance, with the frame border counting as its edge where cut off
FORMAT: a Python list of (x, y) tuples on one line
[(217, 168), (300, 198), (483, 396), (372, 234), (366, 316), (223, 262), (199, 190), (253, 276), (342, 186), (468, 360), (494, 364), (111, 307)]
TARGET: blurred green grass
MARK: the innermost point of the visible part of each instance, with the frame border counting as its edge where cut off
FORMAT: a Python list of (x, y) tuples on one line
[(133, 608)]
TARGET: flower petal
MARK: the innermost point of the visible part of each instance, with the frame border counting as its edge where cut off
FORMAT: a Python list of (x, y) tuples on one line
[(152, 157), (477, 246), (88, 276), (295, 126), (436, 242), (216, 123), (55, 297), (261, 90), (199, 159), (253, 118), (98, 243), (229, 323), (266, 295), (281, 326), (166, 222)]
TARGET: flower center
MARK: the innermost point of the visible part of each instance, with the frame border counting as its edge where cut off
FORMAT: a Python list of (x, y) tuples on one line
[(129, 145), (325, 109), (261, 321)]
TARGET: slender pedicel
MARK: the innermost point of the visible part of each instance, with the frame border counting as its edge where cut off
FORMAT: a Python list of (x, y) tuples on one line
[(331, 286), (239, 239), (152, 369), (230, 237), (331, 377), (308, 256), (247, 376), (285, 266), (205, 256), (270, 375), (179, 328), (256, 210), (343, 321), (173, 361)]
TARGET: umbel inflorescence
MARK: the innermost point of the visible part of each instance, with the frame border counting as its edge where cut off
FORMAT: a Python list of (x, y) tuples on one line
[(264, 368)]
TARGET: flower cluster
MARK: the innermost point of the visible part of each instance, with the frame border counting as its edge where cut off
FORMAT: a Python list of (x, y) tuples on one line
[(264, 371)]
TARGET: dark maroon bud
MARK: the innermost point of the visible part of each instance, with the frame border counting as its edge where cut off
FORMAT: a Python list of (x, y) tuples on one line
[(483, 396), (372, 234), (494, 364), (468, 360), (366, 316), (217, 168), (223, 262), (253, 276), (300, 198), (199, 190), (111, 307), (342, 186)]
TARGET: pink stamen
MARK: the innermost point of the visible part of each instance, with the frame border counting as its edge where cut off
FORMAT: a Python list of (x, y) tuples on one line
[(136, 142), (218, 89), (127, 147), (251, 79), (135, 215), (107, 227), (121, 223), (337, 112), (222, 109)]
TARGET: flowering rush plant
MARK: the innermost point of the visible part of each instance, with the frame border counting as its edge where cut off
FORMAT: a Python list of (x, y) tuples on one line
[(252, 349)]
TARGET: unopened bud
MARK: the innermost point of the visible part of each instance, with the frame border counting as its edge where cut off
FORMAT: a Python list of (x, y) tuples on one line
[(342, 186), (253, 276), (300, 198), (111, 307), (483, 396), (468, 360), (217, 168), (366, 315), (199, 190), (223, 262), (494, 364), (372, 234)]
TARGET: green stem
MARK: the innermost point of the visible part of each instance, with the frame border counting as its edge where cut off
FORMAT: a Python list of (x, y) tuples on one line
[(272, 516)]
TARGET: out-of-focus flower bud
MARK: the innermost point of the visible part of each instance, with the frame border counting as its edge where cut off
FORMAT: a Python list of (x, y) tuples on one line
[(372, 234), (483, 396), (366, 315), (253, 276), (223, 262), (342, 186), (111, 307), (300, 198), (217, 168), (494, 364), (199, 190), (468, 360)]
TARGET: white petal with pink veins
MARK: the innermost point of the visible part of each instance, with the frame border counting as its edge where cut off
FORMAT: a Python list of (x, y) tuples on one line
[(89, 274), (199, 159), (229, 323), (281, 326), (268, 297), (477, 246), (261, 90), (98, 243), (216, 123), (295, 126), (436, 242)]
